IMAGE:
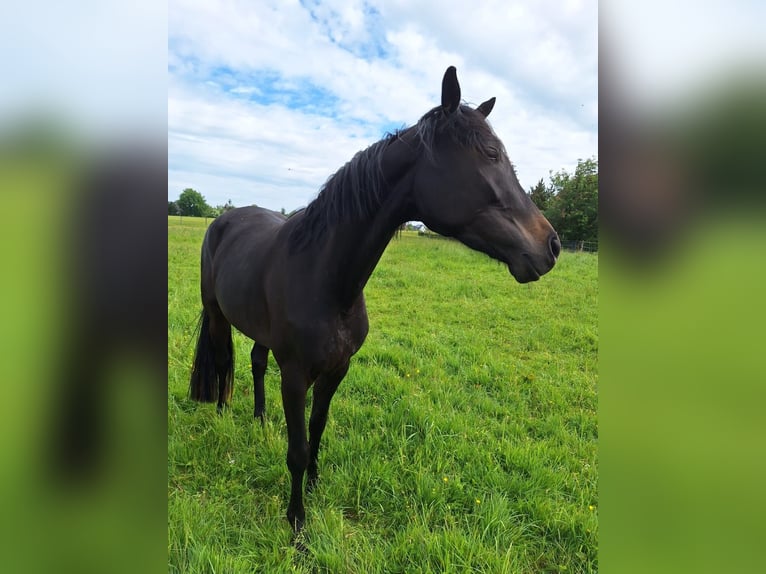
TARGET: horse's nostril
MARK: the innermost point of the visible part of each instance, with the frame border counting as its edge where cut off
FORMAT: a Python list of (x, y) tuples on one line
[(555, 245)]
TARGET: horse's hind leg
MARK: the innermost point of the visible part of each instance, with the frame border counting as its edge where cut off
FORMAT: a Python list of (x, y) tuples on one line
[(259, 358), (324, 389), (220, 335)]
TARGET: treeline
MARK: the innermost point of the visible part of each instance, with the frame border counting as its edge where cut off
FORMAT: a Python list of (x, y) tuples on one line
[(570, 201), (192, 203)]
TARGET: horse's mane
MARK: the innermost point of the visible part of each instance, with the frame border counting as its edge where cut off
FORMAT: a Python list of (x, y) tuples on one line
[(353, 192), (356, 190)]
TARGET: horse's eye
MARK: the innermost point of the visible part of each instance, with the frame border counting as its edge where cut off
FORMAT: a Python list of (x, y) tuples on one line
[(492, 153)]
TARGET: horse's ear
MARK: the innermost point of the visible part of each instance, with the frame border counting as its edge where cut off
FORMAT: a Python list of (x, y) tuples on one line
[(486, 107), (450, 90)]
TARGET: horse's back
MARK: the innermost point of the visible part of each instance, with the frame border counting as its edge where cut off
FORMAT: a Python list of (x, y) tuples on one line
[(239, 232), (252, 222)]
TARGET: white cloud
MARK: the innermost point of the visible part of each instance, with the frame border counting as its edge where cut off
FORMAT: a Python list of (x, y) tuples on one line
[(261, 147)]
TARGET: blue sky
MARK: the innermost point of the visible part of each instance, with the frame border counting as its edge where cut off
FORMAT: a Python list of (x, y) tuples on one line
[(268, 98)]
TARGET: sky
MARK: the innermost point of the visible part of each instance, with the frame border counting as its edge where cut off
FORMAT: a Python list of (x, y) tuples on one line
[(268, 98)]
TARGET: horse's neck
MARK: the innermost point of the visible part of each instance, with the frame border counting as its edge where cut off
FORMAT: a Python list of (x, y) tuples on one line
[(354, 249)]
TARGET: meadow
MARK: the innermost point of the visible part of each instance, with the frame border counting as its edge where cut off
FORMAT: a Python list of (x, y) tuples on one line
[(463, 439)]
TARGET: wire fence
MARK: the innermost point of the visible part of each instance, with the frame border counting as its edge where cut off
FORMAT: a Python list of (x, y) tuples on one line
[(577, 245)]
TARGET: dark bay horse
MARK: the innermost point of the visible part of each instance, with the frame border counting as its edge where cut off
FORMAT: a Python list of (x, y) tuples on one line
[(294, 285)]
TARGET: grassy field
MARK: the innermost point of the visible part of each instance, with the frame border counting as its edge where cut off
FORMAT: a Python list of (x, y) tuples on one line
[(463, 438)]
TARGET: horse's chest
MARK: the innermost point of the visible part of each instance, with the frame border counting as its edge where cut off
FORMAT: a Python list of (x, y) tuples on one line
[(342, 339), (334, 342), (323, 341)]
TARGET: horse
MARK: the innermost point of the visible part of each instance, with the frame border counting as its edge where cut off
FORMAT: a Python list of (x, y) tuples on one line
[(295, 284)]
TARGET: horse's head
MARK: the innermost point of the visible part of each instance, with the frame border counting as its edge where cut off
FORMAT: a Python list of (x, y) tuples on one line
[(465, 187)]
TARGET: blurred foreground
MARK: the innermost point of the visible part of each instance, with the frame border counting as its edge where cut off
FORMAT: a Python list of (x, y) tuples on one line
[(682, 276), (84, 351), (83, 172)]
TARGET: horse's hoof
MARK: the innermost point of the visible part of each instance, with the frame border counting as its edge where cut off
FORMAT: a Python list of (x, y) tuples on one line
[(296, 523), (299, 544)]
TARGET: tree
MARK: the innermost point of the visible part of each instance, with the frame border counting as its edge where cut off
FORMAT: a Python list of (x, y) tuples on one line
[(192, 203), (541, 195), (173, 208), (573, 211), (219, 209)]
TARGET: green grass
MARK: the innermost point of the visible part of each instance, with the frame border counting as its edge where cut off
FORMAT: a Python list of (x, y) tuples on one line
[(463, 438)]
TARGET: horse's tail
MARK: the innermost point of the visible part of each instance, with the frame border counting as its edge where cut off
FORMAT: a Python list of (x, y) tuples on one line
[(203, 386)]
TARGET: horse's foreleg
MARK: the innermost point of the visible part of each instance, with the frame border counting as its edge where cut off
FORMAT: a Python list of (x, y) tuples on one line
[(294, 387), (324, 389), (259, 358)]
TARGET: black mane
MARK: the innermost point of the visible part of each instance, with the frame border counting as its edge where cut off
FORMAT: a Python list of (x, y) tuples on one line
[(353, 192), (358, 188)]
